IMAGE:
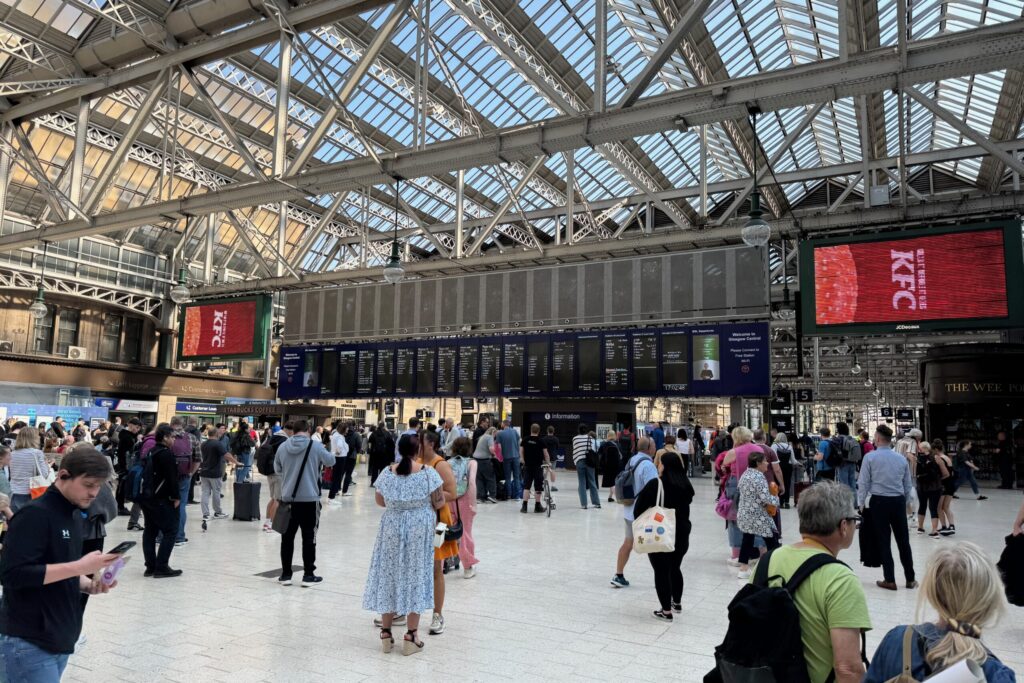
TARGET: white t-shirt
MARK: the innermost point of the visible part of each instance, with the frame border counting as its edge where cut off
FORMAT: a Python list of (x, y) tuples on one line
[(684, 446), (339, 447)]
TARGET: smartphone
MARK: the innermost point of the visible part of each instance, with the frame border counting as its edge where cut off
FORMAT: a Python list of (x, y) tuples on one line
[(121, 548)]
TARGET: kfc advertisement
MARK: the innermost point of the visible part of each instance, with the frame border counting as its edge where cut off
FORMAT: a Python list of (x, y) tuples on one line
[(911, 280), (234, 328)]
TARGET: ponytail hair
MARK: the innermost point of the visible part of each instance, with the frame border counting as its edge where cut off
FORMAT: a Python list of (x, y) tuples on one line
[(407, 448), (964, 587)]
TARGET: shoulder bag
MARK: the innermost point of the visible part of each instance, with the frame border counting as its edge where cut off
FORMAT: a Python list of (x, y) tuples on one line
[(655, 530), (283, 516), (38, 484), (454, 531)]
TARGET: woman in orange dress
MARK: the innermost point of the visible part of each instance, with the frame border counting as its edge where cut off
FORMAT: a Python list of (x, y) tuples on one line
[(429, 457)]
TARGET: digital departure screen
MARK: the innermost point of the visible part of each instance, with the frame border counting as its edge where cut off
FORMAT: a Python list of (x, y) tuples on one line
[(588, 365), (563, 366), (405, 376), (710, 360), (490, 369), (934, 278)]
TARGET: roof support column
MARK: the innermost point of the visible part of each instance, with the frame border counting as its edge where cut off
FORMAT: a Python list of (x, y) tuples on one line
[(460, 214), (284, 81), (211, 237), (600, 53), (704, 171), (6, 156), (570, 193), (78, 161)]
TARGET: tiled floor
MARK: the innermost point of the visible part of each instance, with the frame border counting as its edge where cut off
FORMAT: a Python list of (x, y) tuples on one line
[(540, 607)]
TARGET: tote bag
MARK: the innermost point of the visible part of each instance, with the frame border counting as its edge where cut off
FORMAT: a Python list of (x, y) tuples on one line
[(38, 484), (655, 530)]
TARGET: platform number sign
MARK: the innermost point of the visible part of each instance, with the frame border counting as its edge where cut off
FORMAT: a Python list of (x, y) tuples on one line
[(804, 395)]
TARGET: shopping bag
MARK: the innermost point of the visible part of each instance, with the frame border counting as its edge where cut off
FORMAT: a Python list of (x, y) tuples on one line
[(38, 484), (655, 530)]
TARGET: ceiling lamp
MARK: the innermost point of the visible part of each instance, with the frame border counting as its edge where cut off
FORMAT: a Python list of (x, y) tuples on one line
[(393, 270), (38, 309), (868, 382), (179, 292), (855, 368), (842, 348), (756, 232)]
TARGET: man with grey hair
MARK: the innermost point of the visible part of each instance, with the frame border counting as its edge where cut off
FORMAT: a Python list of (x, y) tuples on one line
[(642, 468), (452, 431), (831, 602), (885, 477)]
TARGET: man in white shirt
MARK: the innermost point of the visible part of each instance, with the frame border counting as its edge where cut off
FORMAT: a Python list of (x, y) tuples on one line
[(339, 449), (644, 471), (452, 431)]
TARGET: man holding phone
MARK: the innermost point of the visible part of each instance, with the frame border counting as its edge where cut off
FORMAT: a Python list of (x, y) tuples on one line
[(44, 573)]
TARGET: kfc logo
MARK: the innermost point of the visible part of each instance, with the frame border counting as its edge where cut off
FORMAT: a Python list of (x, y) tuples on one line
[(220, 329)]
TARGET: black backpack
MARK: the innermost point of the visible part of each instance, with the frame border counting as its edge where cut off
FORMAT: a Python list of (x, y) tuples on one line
[(763, 642), (266, 452)]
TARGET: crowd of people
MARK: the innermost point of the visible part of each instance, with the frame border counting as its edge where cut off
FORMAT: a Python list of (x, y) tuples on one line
[(430, 479)]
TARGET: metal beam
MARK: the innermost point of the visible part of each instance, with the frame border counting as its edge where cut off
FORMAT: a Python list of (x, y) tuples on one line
[(694, 13), (222, 120), (763, 170), (352, 79), (304, 18), (30, 162), (489, 228), (117, 157), (242, 228), (941, 112), (976, 51), (600, 54), (674, 240)]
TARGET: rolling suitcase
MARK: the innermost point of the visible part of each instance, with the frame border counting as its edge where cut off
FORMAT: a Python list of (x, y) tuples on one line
[(799, 488), (247, 501)]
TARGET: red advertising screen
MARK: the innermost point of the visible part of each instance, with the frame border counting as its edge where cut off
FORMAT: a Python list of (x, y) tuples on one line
[(222, 329), (922, 279)]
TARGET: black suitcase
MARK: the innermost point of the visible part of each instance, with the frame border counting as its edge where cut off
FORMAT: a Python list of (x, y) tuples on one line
[(247, 501)]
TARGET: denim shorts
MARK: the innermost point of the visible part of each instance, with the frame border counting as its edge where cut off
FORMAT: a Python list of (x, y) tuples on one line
[(23, 662)]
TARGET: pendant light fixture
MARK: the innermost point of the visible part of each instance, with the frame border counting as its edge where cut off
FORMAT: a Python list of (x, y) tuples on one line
[(38, 309), (179, 292), (756, 232), (393, 270)]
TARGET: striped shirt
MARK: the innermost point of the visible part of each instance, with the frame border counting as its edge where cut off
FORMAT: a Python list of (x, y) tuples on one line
[(25, 464), (581, 443)]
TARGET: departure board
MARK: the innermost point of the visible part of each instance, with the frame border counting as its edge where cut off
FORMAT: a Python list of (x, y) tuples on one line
[(366, 373), (386, 371), (645, 363), (426, 366), (716, 360), (405, 377), (513, 365), (616, 363), (588, 364), (329, 371), (538, 373), (490, 369), (346, 372), (447, 361), (469, 370), (675, 362), (563, 366)]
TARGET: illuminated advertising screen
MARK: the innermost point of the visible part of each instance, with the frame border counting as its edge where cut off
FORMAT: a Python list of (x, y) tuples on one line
[(927, 279), (223, 329)]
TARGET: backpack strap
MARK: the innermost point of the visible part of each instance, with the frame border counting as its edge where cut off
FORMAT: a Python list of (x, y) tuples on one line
[(810, 565), (302, 469), (908, 644)]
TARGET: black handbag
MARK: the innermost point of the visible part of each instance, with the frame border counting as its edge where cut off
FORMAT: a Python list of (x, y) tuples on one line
[(453, 532)]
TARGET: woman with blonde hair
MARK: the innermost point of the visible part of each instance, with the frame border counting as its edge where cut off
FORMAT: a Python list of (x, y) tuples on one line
[(27, 461), (963, 586)]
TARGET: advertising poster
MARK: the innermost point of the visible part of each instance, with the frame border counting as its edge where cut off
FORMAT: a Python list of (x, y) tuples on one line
[(225, 329), (706, 361), (311, 368)]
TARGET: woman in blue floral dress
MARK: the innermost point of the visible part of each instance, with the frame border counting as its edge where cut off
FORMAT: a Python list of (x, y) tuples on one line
[(401, 578)]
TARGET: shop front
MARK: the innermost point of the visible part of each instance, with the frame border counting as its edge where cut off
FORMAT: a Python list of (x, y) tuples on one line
[(976, 391)]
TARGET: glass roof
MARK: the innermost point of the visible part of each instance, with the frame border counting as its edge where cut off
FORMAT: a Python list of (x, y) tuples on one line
[(471, 84)]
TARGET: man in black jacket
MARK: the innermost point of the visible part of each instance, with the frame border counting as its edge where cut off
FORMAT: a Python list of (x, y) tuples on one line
[(355, 444), (44, 573), (126, 440), (161, 505)]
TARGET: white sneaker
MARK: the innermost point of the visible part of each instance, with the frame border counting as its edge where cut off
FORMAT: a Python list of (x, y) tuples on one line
[(744, 575), (437, 625), (268, 529), (468, 572), (733, 562), (334, 502)]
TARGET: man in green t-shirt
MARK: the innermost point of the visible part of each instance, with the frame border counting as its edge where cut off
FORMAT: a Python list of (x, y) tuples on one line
[(833, 610)]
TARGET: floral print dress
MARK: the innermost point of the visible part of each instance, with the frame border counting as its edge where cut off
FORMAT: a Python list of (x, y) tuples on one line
[(401, 577)]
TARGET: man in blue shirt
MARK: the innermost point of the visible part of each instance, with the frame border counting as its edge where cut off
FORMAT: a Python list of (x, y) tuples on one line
[(508, 439), (822, 469), (885, 477), (644, 471), (658, 435)]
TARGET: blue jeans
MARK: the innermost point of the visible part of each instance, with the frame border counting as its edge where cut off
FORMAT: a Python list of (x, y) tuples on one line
[(847, 474), (587, 479), (513, 478), (183, 492), (19, 500), (967, 475), (23, 662), (245, 469)]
